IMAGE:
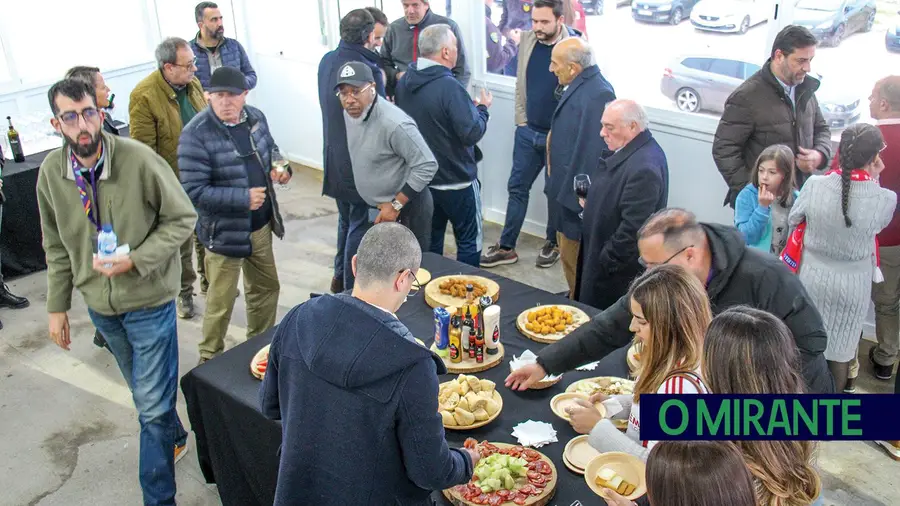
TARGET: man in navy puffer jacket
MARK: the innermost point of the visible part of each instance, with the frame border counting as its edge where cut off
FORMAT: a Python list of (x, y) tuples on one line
[(225, 157), (451, 125)]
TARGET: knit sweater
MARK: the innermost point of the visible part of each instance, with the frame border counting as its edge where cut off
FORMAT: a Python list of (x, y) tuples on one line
[(838, 262)]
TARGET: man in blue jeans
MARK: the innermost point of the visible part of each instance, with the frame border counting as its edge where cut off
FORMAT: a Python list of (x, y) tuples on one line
[(537, 95), (94, 182)]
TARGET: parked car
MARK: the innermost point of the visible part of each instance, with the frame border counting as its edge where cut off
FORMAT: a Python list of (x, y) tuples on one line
[(596, 6), (735, 16), (833, 20), (662, 11), (700, 82), (892, 37)]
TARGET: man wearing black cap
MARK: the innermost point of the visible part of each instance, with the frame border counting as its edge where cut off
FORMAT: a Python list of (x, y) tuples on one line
[(392, 165), (236, 205)]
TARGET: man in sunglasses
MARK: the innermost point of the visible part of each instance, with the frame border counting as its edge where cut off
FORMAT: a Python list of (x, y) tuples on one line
[(97, 180), (226, 155), (160, 105), (733, 275)]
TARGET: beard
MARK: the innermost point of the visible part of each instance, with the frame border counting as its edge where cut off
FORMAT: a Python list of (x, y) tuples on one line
[(544, 36), (84, 150), (217, 34)]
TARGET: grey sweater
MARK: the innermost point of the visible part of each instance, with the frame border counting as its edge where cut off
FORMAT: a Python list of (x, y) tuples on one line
[(388, 154)]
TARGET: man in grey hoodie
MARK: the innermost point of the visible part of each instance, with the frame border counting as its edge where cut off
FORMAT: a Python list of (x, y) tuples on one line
[(392, 164)]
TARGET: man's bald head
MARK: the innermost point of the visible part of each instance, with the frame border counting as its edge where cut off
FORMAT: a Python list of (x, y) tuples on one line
[(569, 58), (673, 236), (884, 102)]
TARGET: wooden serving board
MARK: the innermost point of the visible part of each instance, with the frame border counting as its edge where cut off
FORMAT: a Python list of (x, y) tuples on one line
[(469, 365), (263, 352), (535, 500), (603, 381), (579, 318), (482, 423), (435, 298)]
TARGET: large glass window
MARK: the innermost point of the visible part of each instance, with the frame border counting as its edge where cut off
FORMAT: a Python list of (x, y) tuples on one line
[(284, 39), (5, 75), (176, 18)]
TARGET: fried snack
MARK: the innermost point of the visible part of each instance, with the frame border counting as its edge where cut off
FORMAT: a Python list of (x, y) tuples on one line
[(456, 287), (548, 320)]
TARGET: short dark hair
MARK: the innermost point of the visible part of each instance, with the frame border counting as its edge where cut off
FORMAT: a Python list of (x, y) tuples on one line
[(556, 5), (202, 6), (73, 88), (678, 227), (379, 16), (88, 74), (356, 26), (792, 38)]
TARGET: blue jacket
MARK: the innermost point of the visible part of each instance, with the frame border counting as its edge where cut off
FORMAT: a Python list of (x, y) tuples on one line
[(233, 55), (215, 178), (447, 119), (358, 402), (626, 188), (338, 182), (516, 14), (575, 144), (754, 221)]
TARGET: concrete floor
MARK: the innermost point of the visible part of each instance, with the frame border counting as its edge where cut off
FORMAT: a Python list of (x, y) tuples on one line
[(69, 427)]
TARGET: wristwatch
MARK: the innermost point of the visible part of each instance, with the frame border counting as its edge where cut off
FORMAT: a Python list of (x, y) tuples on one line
[(396, 205)]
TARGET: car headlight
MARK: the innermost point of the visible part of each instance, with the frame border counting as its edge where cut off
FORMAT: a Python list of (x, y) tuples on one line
[(835, 108), (826, 25), (665, 7)]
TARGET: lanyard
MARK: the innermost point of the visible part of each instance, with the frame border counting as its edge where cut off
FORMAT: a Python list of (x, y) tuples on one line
[(86, 200)]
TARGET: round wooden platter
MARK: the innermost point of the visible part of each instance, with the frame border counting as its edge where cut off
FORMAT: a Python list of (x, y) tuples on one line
[(263, 352), (603, 381), (469, 365), (456, 499), (482, 423), (423, 276), (578, 454), (561, 402), (435, 298), (629, 467), (579, 318)]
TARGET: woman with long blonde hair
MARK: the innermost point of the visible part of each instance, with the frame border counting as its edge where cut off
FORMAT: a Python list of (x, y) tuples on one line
[(748, 351), (670, 312)]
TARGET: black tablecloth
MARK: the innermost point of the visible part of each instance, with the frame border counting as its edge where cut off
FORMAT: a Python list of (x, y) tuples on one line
[(21, 250), (237, 447)]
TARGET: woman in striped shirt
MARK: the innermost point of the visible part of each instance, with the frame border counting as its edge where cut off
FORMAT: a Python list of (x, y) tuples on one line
[(670, 313)]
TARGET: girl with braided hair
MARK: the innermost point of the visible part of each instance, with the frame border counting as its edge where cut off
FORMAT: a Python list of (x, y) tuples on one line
[(843, 211)]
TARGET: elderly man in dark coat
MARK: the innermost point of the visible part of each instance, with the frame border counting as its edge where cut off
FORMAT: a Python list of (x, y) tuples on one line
[(574, 144), (630, 183)]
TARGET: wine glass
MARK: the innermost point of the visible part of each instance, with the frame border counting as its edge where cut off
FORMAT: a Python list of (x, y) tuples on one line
[(279, 164), (582, 185)]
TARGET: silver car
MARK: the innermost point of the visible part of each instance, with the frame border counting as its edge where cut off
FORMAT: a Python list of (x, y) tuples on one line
[(701, 82)]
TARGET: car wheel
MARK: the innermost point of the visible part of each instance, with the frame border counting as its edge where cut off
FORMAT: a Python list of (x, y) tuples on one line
[(838, 36), (677, 16), (870, 23), (745, 24), (687, 100)]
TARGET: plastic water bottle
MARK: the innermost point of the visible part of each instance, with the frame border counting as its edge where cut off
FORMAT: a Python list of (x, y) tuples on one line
[(107, 243)]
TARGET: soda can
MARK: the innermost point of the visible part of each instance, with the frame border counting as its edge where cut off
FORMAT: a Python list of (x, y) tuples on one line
[(441, 330)]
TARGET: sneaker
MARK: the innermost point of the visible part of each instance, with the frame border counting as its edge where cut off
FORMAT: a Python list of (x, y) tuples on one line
[(180, 451), (496, 255), (99, 340), (185, 306), (337, 285), (882, 372), (548, 255), (204, 287), (850, 387), (892, 447)]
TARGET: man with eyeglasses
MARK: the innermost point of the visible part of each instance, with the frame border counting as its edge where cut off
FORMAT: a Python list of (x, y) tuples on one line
[(392, 164), (630, 183), (734, 275), (226, 154), (95, 180), (159, 107)]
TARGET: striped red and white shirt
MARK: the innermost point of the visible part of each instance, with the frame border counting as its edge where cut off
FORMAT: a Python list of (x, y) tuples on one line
[(674, 385)]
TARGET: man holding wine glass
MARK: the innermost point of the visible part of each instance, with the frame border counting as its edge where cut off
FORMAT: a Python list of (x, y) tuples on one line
[(574, 143), (630, 183)]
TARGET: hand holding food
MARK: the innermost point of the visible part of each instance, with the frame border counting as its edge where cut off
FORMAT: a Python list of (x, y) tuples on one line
[(584, 416), (607, 478)]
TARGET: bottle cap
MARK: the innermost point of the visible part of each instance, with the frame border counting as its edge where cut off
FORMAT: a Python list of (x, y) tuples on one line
[(107, 227)]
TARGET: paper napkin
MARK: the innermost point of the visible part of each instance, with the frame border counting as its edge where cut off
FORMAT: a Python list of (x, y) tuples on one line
[(588, 367), (527, 357), (534, 434)]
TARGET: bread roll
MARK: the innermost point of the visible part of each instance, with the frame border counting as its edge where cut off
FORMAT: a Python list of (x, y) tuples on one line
[(475, 402), (481, 415), (492, 407), (463, 417), (463, 404), (487, 385), (474, 384), (448, 419), (463, 385)]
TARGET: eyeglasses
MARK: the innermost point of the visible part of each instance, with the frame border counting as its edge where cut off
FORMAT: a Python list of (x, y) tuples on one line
[(648, 265), (187, 66), (415, 281), (344, 95), (89, 115)]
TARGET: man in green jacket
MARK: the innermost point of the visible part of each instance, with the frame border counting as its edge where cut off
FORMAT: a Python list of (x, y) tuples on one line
[(97, 181), (160, 105)]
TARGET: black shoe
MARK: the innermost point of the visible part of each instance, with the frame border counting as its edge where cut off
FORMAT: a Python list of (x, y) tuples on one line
[(548, 255), (185, 307), (850, 387), (337, 285), (882, 372), (99, 340), (11, 301)]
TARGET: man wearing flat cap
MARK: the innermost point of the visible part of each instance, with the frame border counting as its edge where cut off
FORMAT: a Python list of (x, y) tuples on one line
[(225, 155), (392, 164)]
